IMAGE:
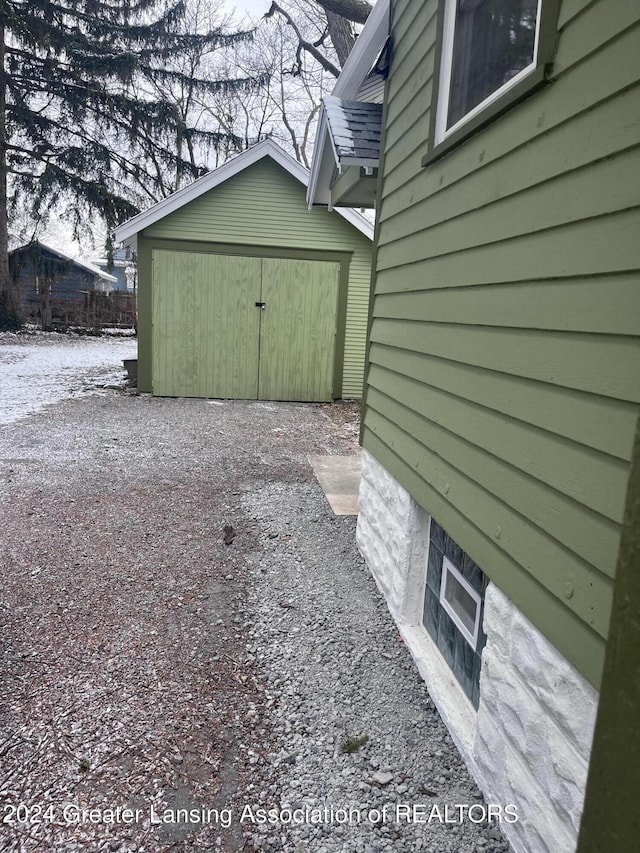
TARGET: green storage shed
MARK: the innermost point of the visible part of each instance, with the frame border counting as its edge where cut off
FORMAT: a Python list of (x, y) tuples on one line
[(244, 293)]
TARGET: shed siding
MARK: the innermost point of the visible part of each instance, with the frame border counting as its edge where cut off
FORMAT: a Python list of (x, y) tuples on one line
[(504, 376), (265, 206)]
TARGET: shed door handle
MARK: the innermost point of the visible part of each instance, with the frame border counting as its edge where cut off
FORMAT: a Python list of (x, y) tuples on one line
[(261, 305)]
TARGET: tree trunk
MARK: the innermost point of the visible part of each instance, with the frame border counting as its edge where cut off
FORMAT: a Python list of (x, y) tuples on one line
[(341, 34), (45, 305), (6, 283), (353, 10)]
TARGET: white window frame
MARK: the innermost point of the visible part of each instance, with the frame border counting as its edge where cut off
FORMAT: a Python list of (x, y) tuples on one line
[(442, 108), (448, 568)]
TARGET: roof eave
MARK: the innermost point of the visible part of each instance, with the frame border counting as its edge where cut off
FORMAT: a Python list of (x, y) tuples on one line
[(365, 162), (319, 157), (212, 179), (266, 148), (364, 53), (356, 69), (83, 265)]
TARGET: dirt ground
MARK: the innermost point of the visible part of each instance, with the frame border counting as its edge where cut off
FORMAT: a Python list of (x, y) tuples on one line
[(127, 691)]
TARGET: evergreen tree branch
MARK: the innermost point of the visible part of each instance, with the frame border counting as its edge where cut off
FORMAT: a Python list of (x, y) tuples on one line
[(98, 105)]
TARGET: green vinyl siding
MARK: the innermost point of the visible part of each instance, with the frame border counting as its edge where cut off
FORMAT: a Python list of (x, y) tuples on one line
[(262, 211), (503, 383)]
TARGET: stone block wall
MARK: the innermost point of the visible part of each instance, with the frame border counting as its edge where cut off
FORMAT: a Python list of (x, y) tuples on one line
[(529, 742), (534, 729), (387, 531)]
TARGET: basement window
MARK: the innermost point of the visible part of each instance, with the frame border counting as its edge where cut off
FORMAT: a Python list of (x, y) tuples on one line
[(453, 608), (461, 602)]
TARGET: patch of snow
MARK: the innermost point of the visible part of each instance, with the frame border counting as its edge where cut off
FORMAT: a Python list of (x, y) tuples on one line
[(37, 370)]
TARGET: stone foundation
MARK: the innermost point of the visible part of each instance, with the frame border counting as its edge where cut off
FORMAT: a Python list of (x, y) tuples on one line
[(529, 742), (534, 729)]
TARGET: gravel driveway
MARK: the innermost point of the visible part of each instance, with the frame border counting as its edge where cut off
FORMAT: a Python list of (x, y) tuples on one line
[(166, 682)]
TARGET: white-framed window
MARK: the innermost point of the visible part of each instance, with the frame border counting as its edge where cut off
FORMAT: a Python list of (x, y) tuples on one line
[(461, 601), (488, 48)]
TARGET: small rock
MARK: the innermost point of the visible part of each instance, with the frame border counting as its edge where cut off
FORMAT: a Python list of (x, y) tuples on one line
[(382, 778)]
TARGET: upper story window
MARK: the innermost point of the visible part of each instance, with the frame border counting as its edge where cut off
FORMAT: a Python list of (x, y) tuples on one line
[(492, 53), (488, 47)]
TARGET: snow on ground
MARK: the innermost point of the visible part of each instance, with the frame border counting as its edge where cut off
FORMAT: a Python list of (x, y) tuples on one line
[(43, 368)]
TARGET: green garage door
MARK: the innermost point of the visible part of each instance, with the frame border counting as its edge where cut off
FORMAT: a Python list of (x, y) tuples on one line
[(212, 338), (297, 334), (205, 325)]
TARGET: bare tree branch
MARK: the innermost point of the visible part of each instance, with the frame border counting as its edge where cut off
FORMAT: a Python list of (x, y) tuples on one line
[(304, 44)]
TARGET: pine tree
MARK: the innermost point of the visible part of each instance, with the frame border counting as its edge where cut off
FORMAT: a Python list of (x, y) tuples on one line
[(78, 115)]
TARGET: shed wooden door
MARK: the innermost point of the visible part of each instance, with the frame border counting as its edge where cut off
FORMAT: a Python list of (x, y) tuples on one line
[(205, 325), (210, 339), (297, 334)]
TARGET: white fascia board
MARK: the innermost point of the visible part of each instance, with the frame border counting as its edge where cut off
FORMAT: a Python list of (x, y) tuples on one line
[(266, 148), (365, 52), (320, 160), (365, 162), (356, 219), (207, 182)]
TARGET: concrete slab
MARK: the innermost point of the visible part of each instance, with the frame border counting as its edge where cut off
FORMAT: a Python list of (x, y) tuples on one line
[(339, 477)]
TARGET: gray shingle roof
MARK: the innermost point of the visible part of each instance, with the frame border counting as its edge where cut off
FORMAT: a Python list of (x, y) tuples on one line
[(355, 128)]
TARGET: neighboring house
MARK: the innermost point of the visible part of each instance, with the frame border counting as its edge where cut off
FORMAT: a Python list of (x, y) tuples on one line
[(503, 372), (244, 294), (121, 267), (54, 286)]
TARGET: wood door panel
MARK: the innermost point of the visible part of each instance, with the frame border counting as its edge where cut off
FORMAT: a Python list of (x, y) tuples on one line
[(298, 328), (205, 325)]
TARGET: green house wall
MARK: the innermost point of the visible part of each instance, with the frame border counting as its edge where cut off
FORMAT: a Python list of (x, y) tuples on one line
[(504, 360), (262, 212)]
